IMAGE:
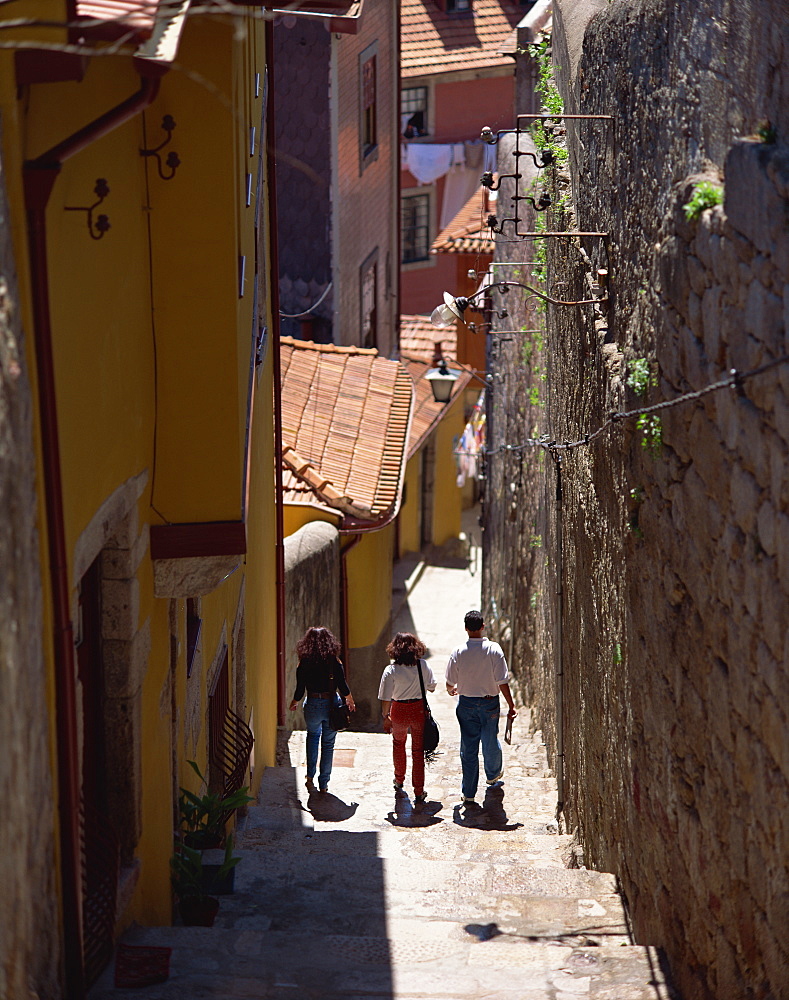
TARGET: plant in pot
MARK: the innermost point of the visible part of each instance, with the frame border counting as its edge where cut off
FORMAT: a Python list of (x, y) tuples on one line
[(203, 816), (192, 886)]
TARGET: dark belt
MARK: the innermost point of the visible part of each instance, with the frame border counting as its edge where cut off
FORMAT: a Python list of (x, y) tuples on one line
[(405, 701), (320, 694), (488, 697)]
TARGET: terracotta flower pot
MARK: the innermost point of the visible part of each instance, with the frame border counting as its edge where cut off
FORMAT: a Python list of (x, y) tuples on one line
[(198, 911)]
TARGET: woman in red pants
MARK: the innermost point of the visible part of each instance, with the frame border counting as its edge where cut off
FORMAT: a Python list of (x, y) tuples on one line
[(403, 708)]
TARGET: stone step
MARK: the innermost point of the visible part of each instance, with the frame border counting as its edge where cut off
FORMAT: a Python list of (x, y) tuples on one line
[(436, 959)]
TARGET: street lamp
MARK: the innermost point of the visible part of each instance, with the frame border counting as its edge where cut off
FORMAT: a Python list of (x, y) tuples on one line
[(454, 307), (451, 310), (442, 381)]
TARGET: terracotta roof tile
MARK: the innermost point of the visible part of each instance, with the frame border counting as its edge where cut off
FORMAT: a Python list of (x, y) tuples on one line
[(345, 418), (435, 42), (468, 231), (117, 18), (418, 339), (427, 412)]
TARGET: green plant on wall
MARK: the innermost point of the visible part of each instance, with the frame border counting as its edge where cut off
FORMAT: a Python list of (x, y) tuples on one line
[(705, 195), (651, 429), (639, 378), (551, 100)]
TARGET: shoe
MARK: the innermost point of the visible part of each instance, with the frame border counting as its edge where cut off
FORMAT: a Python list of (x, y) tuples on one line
[(496, 782), (421, 798), (468, 800), (323, 789), (398, 787), (310, 785)]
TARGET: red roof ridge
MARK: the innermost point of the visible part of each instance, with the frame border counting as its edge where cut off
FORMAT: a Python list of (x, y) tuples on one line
[(311, 345)]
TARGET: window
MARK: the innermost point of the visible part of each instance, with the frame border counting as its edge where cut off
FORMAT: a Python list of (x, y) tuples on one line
[(369, 123), (458, 5), (413, 112), (368, 281), (415, 212)]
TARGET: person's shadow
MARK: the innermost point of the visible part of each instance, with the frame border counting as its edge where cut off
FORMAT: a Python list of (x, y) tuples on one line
[(422, 814), (491, 815), (327, 808)]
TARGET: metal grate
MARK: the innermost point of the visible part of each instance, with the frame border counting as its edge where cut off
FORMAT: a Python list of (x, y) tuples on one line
[(100, 868), (139, 965), (231, 748), (344, 758)]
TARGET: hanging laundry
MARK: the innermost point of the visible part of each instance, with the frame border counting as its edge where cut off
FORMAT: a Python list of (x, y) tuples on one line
[(429, 161), (468, 449)]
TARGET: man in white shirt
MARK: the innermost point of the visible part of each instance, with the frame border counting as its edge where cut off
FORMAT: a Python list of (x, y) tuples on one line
[(477, 672)]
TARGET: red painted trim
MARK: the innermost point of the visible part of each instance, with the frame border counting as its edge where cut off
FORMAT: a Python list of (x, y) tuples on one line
[(198, 540), (282, 694)]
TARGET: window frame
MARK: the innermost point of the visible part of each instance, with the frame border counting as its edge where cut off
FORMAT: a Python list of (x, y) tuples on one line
[(427, 192), (370, 264), (368, 150), (424, 87)]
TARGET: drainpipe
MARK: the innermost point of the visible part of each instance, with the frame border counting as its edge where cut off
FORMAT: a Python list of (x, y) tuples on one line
[(559, 644), (271, 169), (39, 178)]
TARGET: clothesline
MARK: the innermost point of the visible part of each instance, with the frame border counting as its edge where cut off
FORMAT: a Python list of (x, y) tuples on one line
[(428, 161)]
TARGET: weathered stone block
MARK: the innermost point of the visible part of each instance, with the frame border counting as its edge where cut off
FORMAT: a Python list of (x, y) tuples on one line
[(120, 603), (125, 663), (121, 564), (745, 496)]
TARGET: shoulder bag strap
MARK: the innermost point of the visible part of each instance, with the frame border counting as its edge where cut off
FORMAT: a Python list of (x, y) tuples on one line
[(422, 684)]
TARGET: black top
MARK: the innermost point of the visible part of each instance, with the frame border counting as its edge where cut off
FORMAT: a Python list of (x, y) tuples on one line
[(320, 676)]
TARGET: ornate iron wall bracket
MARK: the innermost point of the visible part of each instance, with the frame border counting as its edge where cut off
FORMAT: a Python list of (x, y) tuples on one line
[(98, 228), (172, 162)]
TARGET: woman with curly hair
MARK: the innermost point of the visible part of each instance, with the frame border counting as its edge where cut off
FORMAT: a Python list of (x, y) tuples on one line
[(402, 707), (320, 673)]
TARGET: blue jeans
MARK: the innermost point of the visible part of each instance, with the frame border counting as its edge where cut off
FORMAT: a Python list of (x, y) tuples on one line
[(316, 715), (479, 723)]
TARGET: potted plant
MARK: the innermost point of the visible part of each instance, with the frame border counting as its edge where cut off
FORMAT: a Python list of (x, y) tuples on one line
[(203, 816), (193, 885)]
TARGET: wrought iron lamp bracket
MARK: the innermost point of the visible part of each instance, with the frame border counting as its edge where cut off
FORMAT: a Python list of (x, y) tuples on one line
[(98, 227), (172, 162)]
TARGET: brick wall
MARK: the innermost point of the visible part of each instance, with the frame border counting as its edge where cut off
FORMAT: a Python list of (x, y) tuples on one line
[(29, 946), (367, 213), (672, 633)]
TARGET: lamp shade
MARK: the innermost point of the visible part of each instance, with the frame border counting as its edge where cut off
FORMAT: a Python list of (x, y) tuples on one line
[(448, 312), (441, 381)]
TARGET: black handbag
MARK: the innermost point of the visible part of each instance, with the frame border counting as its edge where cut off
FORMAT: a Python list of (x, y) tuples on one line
[(430, 734), (339, 717)]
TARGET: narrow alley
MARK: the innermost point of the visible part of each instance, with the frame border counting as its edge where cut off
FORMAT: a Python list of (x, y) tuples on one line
[(355, 893)]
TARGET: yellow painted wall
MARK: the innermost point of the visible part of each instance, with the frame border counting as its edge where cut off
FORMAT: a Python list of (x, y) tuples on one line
[(410, 512), (152, 346), (369, 569), (296, 515), (447, 496)]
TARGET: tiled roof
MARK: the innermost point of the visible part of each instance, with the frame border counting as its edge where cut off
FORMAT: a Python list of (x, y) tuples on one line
[(116, 18), (345, 420), (435, 42), (468, 232), (418, 339), (427, 412)]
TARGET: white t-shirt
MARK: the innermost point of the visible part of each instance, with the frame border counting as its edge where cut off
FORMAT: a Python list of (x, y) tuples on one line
[(477, 668), (399, 682)]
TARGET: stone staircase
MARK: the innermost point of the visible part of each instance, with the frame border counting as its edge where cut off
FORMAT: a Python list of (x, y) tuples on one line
[(356, 894)]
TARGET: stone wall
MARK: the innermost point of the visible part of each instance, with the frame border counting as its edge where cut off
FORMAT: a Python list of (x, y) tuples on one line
[(670, 646), (312, 594), (29, 945)]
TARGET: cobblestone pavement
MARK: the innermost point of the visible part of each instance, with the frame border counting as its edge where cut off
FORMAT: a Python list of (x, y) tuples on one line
[(359, 894)]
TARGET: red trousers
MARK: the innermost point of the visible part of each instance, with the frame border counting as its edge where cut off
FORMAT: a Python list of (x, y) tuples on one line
[(408, 715)]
